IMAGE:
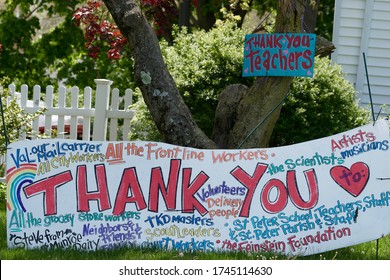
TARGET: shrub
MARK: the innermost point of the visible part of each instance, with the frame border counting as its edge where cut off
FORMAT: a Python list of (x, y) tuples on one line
[(142, 125), (317, 107), (204, 63), (3, 190), (17, 121)]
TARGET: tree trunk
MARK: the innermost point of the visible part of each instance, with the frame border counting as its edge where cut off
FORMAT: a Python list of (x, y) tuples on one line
[(310, 15), (260, 100), (168, 110), (185, 12), (259, 104), (240, 109), (205, 14)]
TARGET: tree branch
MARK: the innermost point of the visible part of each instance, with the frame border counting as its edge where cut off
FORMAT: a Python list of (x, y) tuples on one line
[(40, 4), (267, 92), (168, 110)]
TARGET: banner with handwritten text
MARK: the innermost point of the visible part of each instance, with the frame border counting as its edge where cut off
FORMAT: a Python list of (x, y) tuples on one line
[(300, 200), (279, 54)]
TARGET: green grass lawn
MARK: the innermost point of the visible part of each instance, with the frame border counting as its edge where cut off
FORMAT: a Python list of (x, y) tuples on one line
[(365, 251)]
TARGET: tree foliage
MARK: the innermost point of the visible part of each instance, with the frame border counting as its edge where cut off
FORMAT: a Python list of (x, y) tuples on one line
[(88, 45), (85, 44), (315, 107), (59, 55), (98, 31), (27, 56), (203, 63)]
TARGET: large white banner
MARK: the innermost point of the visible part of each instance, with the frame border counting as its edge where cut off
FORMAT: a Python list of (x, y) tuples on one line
[(301, 199)]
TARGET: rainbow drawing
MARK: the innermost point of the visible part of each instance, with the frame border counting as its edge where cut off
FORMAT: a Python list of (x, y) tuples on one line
[(16, 179)]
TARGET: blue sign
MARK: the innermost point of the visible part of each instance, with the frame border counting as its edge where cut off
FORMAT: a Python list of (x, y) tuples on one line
[(279, 54)]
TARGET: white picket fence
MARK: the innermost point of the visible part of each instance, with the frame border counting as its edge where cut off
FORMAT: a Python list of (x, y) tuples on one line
[(68, 120), (84, 122)]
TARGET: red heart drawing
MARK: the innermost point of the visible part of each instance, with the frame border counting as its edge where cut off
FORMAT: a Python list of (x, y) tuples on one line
[(353, 180)]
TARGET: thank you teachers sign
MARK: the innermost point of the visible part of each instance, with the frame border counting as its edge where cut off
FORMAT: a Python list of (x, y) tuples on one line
[(279, 54), (302, 199)]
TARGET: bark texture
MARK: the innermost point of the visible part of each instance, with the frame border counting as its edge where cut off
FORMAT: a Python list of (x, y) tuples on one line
[(265, 94), (240, 109), (168, 110)]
